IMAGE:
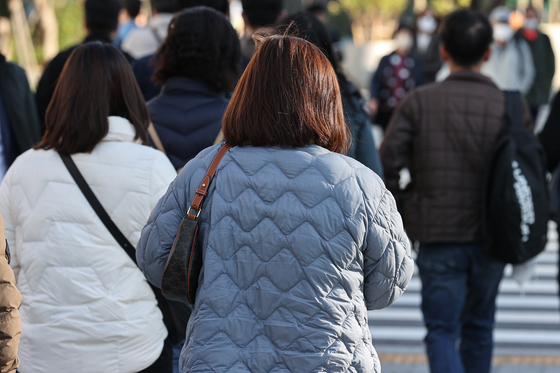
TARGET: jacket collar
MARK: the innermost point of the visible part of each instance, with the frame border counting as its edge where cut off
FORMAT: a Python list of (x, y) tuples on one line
[(97, 37), (120, 130), (182, 84), (472, 77)]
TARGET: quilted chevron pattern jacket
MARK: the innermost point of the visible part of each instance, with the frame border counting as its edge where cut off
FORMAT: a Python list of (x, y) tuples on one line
[(298, 245)]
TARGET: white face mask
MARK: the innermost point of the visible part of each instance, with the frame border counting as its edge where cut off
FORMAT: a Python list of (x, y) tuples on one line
[(532, 23), (503, 33), (427, 24), (404, 41)]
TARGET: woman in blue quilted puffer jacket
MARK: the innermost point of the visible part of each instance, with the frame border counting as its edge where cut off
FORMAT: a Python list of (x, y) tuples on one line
[(299, 241)]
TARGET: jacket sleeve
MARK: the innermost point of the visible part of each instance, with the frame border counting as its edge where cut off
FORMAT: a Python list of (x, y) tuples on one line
[(366, 150), (397, 145), (388, 266), (20, 107), (10, 321), (159, 233), (529, 73), (549, 60)]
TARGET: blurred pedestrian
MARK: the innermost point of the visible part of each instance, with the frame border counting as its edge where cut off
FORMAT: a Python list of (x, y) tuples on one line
[(363, 146), (102, 17), (256, 15), (127, 20), (86, 305), (543, 60), (298, 240), (19, 121), (445, 133), (319, 10), (197, 65), (10, 300), (397, 73), (145, 41), (427, 44), (511, 63), (144, 67)]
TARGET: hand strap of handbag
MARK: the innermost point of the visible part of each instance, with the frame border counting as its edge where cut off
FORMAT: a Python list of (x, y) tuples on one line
[(97, 207), (202, 190)]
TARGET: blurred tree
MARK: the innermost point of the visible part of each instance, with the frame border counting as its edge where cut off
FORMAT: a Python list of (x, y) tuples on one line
[(71, 18), (373, 19), (486, 6), (49, 25)]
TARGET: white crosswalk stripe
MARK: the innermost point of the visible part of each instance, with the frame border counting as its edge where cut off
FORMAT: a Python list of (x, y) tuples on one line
[(527, 316)]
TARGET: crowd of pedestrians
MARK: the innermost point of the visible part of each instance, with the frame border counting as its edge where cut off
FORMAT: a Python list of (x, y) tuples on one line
[(306, 225)]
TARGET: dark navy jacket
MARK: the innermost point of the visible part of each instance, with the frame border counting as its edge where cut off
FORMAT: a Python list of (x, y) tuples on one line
[(187, 116)]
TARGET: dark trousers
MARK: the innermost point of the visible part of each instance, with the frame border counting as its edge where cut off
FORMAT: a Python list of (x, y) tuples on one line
[(164, 363), (459, 289)]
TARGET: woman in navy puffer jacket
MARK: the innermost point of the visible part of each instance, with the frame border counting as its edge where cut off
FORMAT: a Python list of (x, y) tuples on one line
[(298, 240), (197, 65)]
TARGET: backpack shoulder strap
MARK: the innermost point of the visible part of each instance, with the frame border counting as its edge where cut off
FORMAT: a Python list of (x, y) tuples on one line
[(97, 207), (514, 107)]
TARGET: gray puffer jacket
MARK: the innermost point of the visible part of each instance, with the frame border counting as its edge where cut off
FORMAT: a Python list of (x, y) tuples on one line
[(298, 245)]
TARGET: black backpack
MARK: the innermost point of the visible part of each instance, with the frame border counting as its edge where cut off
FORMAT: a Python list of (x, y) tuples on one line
[(516, 199)]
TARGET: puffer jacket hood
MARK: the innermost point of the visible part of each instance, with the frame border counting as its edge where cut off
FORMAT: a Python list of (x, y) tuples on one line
[(298, 244), (86, 305)]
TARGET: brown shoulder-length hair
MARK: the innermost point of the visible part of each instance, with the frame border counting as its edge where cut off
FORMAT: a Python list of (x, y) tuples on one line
[(96, 82), (287, 96)]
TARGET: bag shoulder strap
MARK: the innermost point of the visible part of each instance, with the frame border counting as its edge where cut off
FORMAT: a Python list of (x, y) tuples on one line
[(155, 138), (514, 107), (202, 190), (97, 207)]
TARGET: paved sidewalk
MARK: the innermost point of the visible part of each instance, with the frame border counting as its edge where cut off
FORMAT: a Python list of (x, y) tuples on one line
[(417, 363)]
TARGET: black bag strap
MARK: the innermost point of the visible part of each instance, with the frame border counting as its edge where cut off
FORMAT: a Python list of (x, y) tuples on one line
[(175, 315), (97, 207), (514, 107)]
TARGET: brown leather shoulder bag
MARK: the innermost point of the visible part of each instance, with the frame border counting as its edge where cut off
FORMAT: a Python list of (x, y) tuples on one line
[(179, 281)]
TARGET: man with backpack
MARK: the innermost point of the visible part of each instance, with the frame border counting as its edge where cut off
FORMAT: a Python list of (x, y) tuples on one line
[(445, 133)]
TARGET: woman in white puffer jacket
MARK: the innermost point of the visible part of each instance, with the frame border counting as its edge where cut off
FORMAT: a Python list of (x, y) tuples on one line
[(86, 305)]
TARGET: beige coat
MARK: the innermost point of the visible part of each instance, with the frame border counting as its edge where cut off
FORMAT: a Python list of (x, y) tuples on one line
[(10, 300)]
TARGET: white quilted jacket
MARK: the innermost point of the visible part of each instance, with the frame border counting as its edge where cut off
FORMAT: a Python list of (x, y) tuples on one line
[(86, 305)]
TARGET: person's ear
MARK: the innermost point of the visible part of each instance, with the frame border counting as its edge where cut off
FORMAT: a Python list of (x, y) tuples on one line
[(487, 54), (443, 52)]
